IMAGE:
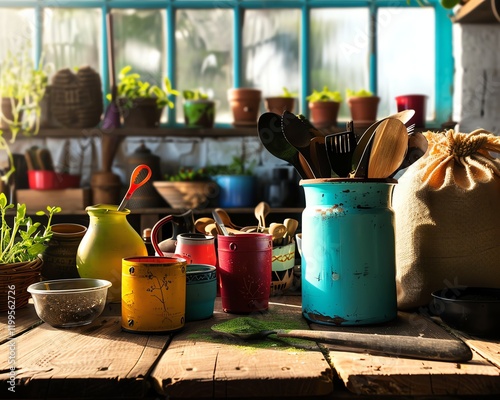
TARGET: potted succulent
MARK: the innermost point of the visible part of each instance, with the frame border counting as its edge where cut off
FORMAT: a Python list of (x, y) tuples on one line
[(324, 106), (363, 106), (236, 182), (188, 188), (199, 110), (279, 104), (21, 246), (141, 103)]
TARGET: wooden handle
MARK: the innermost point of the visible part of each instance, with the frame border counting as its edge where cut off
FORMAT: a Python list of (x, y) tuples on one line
[(394, 345)]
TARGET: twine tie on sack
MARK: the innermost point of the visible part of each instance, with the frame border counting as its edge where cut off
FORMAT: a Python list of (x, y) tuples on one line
[(465, 145)]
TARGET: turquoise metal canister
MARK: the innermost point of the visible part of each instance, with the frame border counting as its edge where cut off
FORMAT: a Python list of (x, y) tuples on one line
[(348, 252)]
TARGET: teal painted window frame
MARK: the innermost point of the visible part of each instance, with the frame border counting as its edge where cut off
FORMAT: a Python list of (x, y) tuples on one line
[(443, 39)]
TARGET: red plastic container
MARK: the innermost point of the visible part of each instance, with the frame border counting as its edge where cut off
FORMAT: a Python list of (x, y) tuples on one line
[(415, 102), (245, 265), (50, 180)]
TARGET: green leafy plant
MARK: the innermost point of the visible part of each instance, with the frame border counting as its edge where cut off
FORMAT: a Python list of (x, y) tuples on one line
[(287, 93), (131, 87), (448, 4), (238, 166), (189, 175), (23, 86), (25, 239), (196, 94), (359, 93), (324, 95)]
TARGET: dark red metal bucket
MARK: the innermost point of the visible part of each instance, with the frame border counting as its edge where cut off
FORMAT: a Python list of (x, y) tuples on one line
[(245, 264)]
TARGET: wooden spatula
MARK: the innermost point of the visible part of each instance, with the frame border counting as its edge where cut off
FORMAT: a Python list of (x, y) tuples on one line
[(390, 143)]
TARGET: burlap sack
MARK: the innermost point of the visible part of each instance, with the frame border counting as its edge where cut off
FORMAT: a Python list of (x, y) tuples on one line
[(447, 207)]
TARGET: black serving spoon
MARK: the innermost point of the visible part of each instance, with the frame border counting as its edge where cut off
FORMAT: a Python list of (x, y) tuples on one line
[(271, 136)]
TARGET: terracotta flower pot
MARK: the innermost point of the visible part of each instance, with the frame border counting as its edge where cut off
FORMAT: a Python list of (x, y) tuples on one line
[(278, 104), (245, 104), (324, 113), (363, 110)]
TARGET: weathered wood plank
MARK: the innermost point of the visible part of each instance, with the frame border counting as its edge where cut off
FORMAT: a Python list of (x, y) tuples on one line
[(365, 374), (24, 319), (200, 364), (97, 360)]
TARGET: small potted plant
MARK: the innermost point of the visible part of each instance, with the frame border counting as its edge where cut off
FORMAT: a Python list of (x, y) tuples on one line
[(188, 188), (21, 246), (363, 106), (236, 182), (324, 106), (199, 110), (245, 105), (141, 103), (279, 104)]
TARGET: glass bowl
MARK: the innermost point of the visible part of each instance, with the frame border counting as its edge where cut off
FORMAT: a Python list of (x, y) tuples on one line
[(67, 303)]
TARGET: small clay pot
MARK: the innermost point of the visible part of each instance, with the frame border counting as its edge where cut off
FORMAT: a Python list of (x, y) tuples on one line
[(106, 187), (144, 113), (278, 105), (363, 110), (245, 104), (324, 113), (59, 258)]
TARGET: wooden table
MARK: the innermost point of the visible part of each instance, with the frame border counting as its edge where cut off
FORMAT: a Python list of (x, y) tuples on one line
[(102, 361)]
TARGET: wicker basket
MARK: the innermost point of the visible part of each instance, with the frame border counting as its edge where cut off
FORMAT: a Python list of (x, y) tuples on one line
[(14, 281), (185, 195)]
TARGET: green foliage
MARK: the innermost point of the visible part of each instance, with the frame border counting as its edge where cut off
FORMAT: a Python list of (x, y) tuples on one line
[(131, 87), (238, 166), (25, 239), (287, 93), (325, 95), (25, 86), (359, 93), (189, 175), (196, 94)]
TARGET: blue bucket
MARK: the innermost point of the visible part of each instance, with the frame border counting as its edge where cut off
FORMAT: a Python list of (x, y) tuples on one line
[(348, 252), (236, 190)]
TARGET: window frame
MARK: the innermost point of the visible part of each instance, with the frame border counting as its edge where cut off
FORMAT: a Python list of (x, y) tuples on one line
[(443, 40)]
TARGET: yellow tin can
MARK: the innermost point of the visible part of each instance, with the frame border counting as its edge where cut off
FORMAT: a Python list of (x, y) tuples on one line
[(153, 294)]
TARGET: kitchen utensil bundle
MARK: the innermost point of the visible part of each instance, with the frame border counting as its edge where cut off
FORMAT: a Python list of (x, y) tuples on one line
[(221, 224), (39, 159), (379, 153)]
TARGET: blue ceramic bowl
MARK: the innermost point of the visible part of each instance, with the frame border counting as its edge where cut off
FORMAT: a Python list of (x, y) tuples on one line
[(201, 290)]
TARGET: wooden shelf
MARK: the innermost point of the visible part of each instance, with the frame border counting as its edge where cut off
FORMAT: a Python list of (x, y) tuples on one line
[(216, 132), (478, 12)]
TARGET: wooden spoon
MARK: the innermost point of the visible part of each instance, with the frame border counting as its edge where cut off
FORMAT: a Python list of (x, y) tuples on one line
[(226, 219), (261, 211), (362, 150), (291, 226), (201, 223), (389, 147), (277, 231)]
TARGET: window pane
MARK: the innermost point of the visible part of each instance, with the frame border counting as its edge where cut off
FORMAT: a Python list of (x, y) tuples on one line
[(339, 51), (204, 58), (271, 51), (72, 37), (406, 56), (139, 41), (17, 26)]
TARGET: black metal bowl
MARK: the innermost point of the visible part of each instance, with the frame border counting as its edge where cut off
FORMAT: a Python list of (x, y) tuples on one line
[(472, 310)]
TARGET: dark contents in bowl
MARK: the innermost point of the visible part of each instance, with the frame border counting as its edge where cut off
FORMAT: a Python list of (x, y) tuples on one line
[(473, 310), (66, 310)]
